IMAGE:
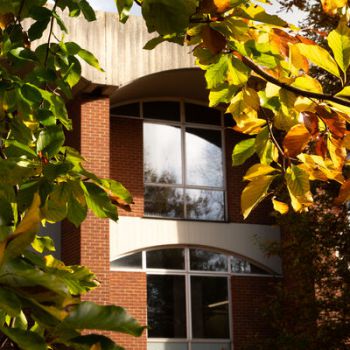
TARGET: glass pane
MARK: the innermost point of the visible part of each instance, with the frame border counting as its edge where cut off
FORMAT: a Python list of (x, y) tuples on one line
[(165, 110), (204, 158), (164, 202), (211, 346), (166, 346), (130, 110), (130, 261), (166, 311), (162, 154), (166, 259), (201, 114), (204, 260), (210, 317), (244, 266), (205, 205)]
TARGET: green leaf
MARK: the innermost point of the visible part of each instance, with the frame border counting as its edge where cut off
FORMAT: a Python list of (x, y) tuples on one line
[(339, 42), (43, 243), (77, 208), (88, 315), (238, 72), (98, 201), (254, 193), (124, 7), (221, 94), (38, 28), (55, 208), (257, 13), (116, 189), (9, 302), (265, 148), (87, 10), (320, 57), (50, 140), (26, 340), (168, 16), (242, 151), (217, 72), (90, 59)]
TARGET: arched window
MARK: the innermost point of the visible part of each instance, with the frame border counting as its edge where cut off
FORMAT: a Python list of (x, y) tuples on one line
[(183, 159), (188, 296)]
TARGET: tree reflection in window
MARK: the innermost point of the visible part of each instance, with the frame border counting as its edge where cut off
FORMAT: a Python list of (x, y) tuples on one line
[(183, 169)]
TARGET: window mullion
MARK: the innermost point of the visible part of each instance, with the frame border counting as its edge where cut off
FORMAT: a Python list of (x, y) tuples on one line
[(183, 155)]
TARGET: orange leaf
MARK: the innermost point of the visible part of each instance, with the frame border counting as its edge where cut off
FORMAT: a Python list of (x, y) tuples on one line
[(344, 193), (331, 6), (296, 140), (335, 124), (311, 122), (213, 40), (321, 146)]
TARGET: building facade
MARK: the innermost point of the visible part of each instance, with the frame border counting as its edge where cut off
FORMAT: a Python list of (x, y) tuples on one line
[(182, 260)]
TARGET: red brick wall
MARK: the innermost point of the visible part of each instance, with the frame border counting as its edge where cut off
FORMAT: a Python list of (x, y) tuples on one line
[(89, 245), (127, 159), (129, 290), (250, 297)]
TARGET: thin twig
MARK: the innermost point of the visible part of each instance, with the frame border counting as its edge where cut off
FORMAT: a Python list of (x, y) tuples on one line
[(323, 97), (50, 32)]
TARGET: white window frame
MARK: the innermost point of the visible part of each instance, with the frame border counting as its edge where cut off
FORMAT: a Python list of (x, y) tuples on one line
[(187, 273), (182, 124)]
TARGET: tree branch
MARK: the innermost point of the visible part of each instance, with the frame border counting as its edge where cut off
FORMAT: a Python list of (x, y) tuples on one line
[(324, 97)]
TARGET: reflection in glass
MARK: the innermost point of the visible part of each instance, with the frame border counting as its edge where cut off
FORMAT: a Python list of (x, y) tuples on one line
[(210, 316), (205, 205), (133, 261), (202, 114), (166, 346), (204, 158), (164, 201), (162, 154), (165, 259), (244, 266), (165, 110), (204, 260), (166, 311), (129, 110)]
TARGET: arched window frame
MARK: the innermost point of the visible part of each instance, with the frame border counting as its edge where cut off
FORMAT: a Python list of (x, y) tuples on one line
[(182, 124)]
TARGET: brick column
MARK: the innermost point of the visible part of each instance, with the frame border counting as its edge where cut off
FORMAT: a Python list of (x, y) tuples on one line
[(89, 245)]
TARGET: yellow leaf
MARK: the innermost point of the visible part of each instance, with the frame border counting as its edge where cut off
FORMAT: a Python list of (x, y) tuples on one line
[(320, 57), (307, 83), (297, 60), (336, 151), (296, 140), (304, 104), (258, 170), (31, 220), (344, 92), (281, 207), (272, 90), (339, 41), (331, 6), (254, 193), (249, 126), (314, 163)]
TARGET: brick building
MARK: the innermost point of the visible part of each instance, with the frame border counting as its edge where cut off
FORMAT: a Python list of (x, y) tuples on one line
[(182, 261)]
